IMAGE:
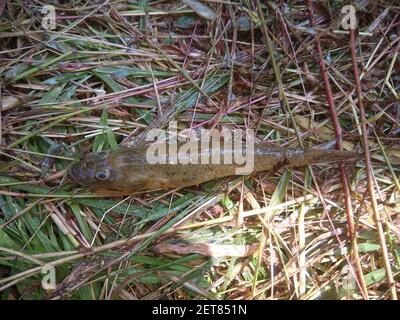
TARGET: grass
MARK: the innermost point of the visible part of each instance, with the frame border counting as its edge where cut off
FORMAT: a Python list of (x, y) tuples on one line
[(108, 74)]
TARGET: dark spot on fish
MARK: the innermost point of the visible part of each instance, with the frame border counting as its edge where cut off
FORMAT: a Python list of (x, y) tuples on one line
[(281, 163)]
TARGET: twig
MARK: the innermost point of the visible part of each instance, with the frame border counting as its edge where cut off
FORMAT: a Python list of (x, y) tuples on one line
[(377, 217), (343, 173)]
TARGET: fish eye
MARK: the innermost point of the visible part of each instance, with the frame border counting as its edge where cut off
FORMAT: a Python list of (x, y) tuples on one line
[(103, 174)]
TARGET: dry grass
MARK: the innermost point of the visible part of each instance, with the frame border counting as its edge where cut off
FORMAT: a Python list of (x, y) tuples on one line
[(108, 73)]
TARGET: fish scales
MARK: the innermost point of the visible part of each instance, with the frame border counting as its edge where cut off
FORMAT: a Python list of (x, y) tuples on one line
[(129, 169)]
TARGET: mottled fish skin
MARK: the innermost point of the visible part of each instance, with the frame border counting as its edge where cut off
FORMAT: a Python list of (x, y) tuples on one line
[(127, 169)]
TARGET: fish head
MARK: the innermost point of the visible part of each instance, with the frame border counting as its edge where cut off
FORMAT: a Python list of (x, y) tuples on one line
[(93, 170)]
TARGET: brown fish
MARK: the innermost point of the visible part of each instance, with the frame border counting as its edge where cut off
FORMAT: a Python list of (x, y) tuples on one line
[(128, 169)]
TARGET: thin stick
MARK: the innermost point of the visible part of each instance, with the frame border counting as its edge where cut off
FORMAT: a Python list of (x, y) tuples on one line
[(343, 173), (377, 217)]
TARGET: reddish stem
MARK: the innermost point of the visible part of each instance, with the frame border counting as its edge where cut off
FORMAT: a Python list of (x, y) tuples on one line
[(343, 173), (374, 204)]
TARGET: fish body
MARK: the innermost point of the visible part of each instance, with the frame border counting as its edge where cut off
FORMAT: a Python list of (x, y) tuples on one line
[(129, 169)]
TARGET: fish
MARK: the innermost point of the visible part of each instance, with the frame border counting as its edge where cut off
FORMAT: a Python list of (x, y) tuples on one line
[(129, 169)]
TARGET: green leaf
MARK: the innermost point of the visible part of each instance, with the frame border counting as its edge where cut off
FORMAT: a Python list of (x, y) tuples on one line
[(52, 95), (281, 189), (112, 141), (362, 248), (375, 277), (101, 139), (83, 225), (6, 241)]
